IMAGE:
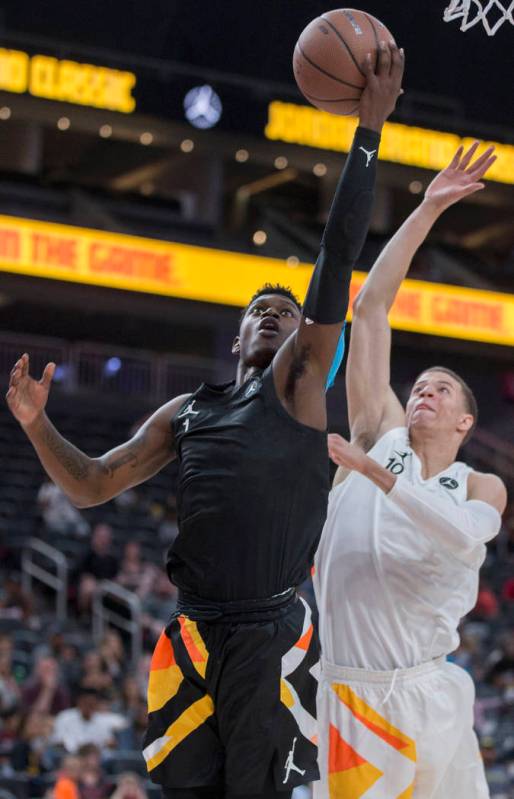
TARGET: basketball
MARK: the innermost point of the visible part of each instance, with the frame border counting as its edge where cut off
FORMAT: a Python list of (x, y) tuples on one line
[(329, 58)]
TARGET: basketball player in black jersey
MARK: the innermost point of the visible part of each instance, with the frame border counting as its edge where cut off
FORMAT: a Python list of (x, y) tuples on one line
[(232, 687)]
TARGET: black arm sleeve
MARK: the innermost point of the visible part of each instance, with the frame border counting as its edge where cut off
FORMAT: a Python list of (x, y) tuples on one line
[(345, 232)]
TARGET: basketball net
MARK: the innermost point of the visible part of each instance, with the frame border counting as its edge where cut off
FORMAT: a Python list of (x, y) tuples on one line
[(471, 12)]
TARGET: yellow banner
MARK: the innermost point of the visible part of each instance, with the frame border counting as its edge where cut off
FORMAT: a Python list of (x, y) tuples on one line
[(400, 144), (67, 81), (79, 255)]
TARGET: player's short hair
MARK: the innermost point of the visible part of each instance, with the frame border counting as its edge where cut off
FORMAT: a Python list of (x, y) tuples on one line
[(273, 288), (470, 402)]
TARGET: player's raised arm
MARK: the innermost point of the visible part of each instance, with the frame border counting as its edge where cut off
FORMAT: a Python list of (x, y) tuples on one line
[(309, 353), (372, 406), (326, 303), (88, 481)]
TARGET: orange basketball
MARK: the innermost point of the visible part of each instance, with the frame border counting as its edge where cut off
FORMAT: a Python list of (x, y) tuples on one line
[(329, 58)]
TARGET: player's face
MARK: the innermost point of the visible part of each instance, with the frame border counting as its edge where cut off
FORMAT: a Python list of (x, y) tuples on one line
[(267, 323), (436, 405)]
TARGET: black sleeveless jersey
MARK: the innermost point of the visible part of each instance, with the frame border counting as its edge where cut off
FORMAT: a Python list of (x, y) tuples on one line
[(252, 493)]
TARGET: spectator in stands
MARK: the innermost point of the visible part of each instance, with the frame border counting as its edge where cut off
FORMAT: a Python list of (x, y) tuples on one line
[(9, 689), (126, 501), (130, 696), (135, 573), (129, 787), (501, 663), (59, 515), (98, 564), (509, 524), (486, 607), (45, 691), (467, 651), (33, 751), (94, 673), (129, 705), (158, 605), (69, 661), (85, 723), (112, 654), (93, 783), (14, 602), (168, 527), (508, 590), (9, 725), (67, 783), (54, 642), (140, 724)]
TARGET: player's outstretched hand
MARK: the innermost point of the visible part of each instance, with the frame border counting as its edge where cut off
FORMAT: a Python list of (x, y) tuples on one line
[(27, 397), (461, 177), (383, 86), (350, 456)]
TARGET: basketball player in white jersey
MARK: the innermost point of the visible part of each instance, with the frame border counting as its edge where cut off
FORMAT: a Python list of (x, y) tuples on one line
[(400, 553)]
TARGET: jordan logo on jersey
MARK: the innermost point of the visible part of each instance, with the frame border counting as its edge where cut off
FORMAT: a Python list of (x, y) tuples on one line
[(252, 388), (396, 464), (187, 412), (448, 482)]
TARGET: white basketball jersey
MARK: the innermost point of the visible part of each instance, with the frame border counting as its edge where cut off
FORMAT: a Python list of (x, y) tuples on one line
[(389, 596)]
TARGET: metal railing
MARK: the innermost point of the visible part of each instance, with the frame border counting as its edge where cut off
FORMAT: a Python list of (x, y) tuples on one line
[(493, 453), (92, 367), (104, 616), (32, 570)]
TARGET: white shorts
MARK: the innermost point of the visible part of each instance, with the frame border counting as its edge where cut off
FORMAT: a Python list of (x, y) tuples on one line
[(404, 734)]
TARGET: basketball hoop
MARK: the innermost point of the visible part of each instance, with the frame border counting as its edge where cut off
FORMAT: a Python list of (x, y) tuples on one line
[(491, 13)]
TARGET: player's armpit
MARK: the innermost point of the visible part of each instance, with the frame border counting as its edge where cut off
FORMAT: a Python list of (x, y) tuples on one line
[(393, 415), (488, 488)]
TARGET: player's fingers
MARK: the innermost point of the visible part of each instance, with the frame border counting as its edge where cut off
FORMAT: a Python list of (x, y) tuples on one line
[(369, 69), (47, 375), (15, 377), (394, 55), (10, 394), (17, 365), (477, 174), (466, 158), (454, 163), (397, 59), (24, 364), (384, 60), (479, 164)]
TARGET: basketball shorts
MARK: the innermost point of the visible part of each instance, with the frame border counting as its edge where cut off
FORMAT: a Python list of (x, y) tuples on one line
[(405, 734), (231, 702)]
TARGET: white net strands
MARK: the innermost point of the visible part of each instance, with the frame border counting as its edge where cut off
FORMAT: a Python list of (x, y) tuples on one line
[(491, 13)]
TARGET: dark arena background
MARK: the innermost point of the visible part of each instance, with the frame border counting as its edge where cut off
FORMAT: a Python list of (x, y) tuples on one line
[(157, 165)]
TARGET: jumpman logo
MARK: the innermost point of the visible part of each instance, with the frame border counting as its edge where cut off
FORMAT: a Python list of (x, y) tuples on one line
[(252, 388), (188, 410), (290, 766), (369, 155)]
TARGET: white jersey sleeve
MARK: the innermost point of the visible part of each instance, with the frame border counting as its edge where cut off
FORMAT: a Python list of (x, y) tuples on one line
[(459, 528)]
